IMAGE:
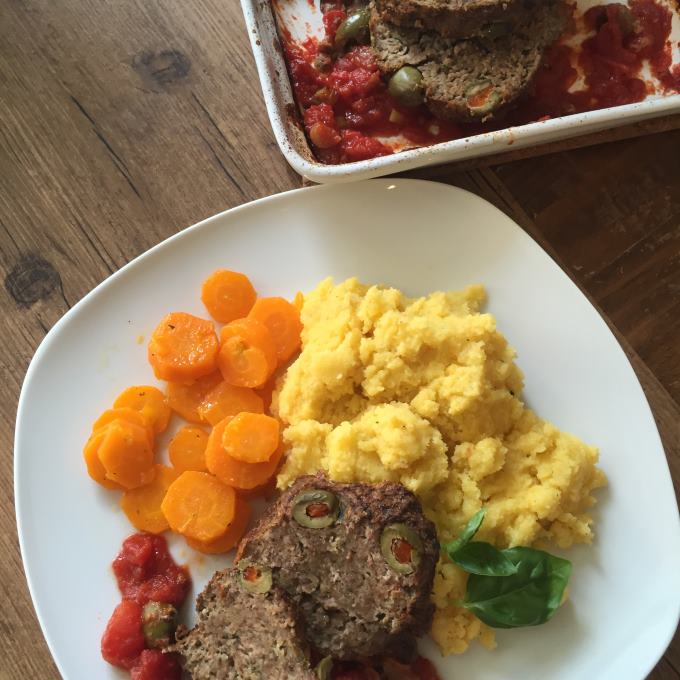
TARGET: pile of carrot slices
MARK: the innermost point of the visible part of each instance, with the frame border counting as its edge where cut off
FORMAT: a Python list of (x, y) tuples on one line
[(230, 449)]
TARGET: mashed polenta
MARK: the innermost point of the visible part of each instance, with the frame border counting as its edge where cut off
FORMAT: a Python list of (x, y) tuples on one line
[(425, 392)]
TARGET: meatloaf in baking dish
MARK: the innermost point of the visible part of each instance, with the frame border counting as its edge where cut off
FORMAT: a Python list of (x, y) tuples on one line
[(471, 79), (460, 18)]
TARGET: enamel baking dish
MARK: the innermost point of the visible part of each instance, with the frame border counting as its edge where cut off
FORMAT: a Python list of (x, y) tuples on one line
[(302, 19)]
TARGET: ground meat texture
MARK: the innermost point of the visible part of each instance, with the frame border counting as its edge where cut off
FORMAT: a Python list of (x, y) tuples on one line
[(241, 635), (475, 79), (352, 602), (458, 18)]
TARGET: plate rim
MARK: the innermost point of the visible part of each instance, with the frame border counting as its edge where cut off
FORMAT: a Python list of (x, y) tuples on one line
[(52, 334)]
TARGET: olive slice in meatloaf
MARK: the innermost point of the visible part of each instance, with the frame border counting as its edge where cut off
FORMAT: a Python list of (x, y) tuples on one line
[(247, 629), (459, 18), (358, 560), (470, 80)]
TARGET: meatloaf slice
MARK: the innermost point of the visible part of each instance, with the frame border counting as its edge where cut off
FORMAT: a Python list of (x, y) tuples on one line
[(358, 560), (458, 18), (468, 80), (243, 635)]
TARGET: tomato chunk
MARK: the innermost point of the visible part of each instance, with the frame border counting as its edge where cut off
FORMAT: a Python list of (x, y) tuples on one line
[(154, 665), (146, 571), (123, 639)]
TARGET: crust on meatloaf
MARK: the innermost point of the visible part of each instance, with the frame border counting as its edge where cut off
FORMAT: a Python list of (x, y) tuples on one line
[(452, 69), (241, 635), (353, 604), (457, 18)]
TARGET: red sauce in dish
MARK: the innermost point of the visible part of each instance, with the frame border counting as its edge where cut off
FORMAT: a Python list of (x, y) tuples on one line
[(346, 105), (145, 572)]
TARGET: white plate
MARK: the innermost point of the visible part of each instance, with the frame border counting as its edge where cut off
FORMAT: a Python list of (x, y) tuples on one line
[(418, 236), (302, 19)]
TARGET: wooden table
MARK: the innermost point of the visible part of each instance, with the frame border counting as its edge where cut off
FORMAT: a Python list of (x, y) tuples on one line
[(124, 122)]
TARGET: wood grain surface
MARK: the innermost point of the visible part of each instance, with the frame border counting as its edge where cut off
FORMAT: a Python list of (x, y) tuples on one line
[(124, 122)]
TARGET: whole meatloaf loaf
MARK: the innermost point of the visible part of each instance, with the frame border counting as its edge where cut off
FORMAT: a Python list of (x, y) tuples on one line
[(247, 629), (470, 80), (459, 18), (358, 560)]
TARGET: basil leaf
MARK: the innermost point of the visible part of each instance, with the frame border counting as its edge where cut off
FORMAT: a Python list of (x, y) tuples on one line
[(529, 597), (482, 558), (468, 533)]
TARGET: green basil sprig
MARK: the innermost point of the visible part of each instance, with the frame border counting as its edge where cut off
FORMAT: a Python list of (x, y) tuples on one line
[(508, 588)]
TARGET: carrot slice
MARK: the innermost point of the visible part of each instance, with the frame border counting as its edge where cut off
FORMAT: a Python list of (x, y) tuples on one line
[(228, 295), (126, 454), (185, 399), (234, 472), (298, 301), (266, 391), (247, 353), (183, 348), (143, 505), (265, 490), (199, 506), (251, 437), (149, 401), (226, 400), (231, 537), (129, 415), (94, 466), (187, 449), (283, 321)]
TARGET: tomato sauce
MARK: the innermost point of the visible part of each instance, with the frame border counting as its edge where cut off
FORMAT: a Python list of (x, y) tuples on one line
[(145, 572), (420, 669), (346, 105)]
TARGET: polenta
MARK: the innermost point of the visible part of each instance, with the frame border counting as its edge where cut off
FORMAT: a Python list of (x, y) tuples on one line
[(426, 392)]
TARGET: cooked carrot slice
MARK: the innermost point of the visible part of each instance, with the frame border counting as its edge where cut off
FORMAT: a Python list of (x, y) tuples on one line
[(149, 401), (283, 321), (126, 454), (298, 301), (230, 538), (94, 466), (185, 399), (129, 415), (266, 391), (234, 472), (183, 348), (187, 449), (266, 490), (227, 401), (247, 353), (199, 506), (251, 437), (143, 505), (228, 295)]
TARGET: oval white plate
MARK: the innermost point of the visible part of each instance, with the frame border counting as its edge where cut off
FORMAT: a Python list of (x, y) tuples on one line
[(419, 236)]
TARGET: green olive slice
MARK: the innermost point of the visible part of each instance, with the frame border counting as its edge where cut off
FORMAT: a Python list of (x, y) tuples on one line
[(353, 29), (323, 668), (481, 98), (254, 577), (159, 622), (406, 86), (316, 508), (401, 547)]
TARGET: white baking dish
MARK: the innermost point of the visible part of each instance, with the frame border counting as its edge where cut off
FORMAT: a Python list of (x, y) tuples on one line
[(302, 18)]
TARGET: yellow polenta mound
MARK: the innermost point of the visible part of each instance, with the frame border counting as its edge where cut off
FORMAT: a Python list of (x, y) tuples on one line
[(425, 392)]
